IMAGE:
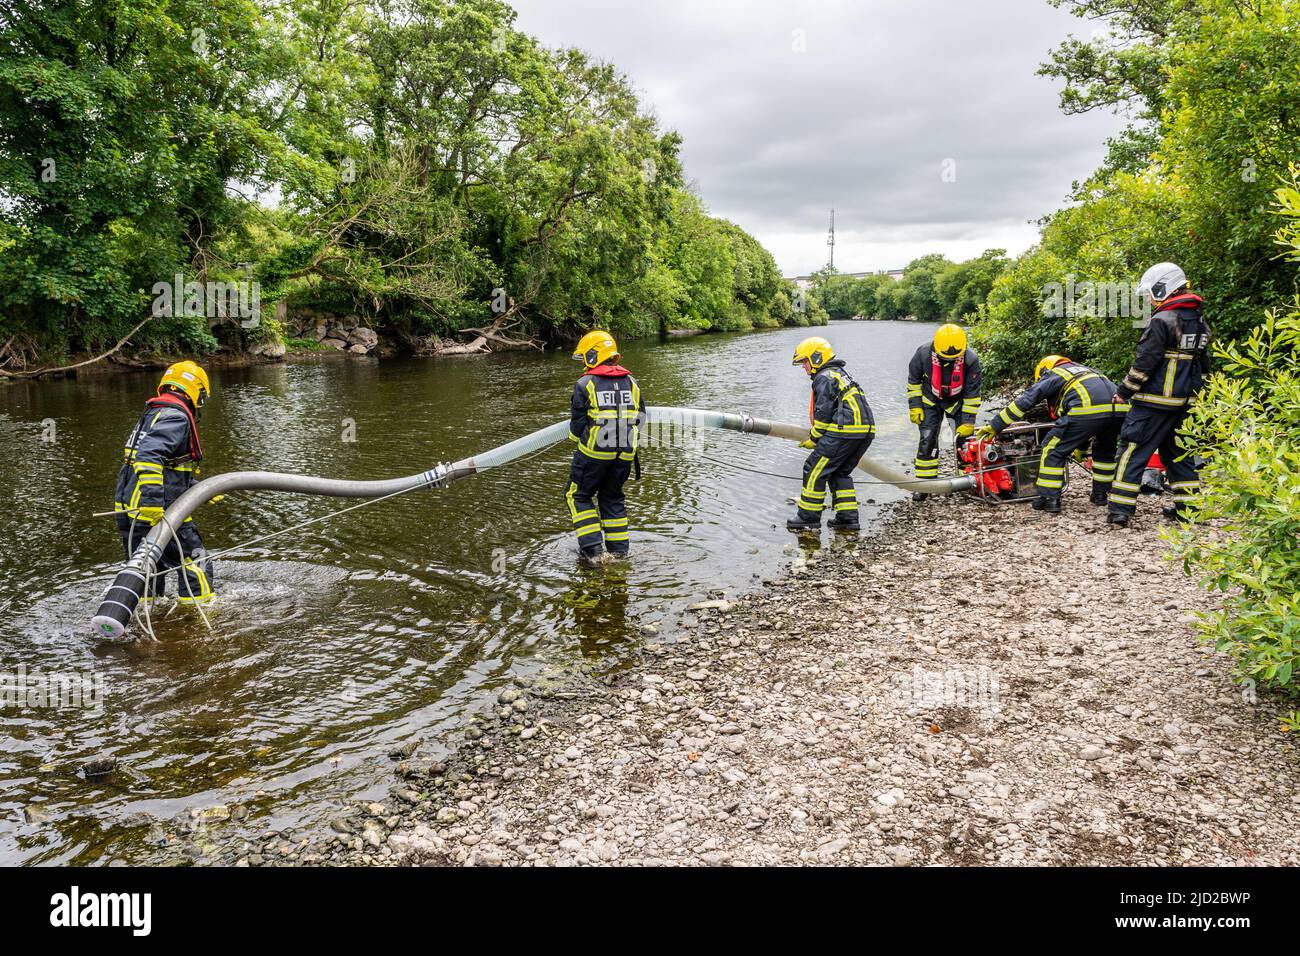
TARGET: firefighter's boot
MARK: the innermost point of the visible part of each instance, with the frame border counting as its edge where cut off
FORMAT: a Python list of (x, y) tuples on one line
[(802, 523)]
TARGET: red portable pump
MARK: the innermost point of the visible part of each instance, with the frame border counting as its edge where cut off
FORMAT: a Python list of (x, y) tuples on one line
[(1005, 468), (980, 456)]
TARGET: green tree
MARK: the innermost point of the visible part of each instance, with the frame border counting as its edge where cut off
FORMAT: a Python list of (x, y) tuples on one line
[(124, 127), (963, 287), (919, 287)]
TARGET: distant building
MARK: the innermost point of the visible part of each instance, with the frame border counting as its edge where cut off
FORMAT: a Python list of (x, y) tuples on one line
[(805, 282)]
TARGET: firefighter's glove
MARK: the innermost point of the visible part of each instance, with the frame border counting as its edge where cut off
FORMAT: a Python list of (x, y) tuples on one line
[(917, 415), (148, 515), (807, 443), (986, 432), (965, 431)]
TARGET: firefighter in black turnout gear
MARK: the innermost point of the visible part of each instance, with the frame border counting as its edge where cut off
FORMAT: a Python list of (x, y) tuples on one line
[(943, 380), (605, 419), (1083, 405), (160, 462), (1173, 358), (842, 430)]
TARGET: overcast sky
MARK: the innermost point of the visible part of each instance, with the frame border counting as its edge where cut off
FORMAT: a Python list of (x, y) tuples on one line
[(863, 118)]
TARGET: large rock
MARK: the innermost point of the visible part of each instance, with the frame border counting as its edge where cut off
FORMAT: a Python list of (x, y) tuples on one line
[(273, 349), (334, 343), (366, 338)]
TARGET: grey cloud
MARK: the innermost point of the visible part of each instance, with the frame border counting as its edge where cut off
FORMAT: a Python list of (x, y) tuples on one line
[(885, 92)]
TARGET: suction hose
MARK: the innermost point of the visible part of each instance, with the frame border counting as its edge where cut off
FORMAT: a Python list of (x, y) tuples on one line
[(123, 596)]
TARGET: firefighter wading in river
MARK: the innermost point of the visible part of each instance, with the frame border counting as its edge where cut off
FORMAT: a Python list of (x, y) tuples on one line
[(160, 462), (842, 430), (943, 380), (605, 418)]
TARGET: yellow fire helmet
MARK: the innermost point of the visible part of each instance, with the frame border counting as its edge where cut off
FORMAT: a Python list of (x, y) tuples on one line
[(188, 378), (595, 348), (950, 341), (816, 350), (1049, 362)]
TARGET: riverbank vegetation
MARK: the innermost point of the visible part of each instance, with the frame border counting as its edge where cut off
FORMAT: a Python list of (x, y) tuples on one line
[(419, 163), (931, 288), (1246, 425)]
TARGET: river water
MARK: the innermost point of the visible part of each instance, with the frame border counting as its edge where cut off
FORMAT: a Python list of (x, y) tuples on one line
[(332, 645)]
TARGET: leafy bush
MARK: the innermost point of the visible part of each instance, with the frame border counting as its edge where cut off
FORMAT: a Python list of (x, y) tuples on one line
[(1247, 425)]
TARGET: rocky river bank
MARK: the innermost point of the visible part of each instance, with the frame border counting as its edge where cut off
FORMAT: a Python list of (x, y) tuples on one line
[(968, 685)]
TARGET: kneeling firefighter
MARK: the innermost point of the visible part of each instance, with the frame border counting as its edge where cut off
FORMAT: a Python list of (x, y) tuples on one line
[(1083, 405), (160, 462), (1172, 361), (842, 430), (606, 412), (943, 380)]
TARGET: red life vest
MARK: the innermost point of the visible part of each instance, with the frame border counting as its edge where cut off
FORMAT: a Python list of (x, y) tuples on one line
[(1184, 300), (168, 400), (611, 371), (954, 383)]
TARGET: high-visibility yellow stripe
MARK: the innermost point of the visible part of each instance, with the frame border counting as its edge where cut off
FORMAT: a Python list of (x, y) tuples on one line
[(810, 485), (820, 428), (1104, 409), (1160, 399), (573, 508), (1043, 467), (1121, 467)]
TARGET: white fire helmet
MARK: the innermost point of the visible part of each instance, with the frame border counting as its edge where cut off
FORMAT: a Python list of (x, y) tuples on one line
[(1161, 281)]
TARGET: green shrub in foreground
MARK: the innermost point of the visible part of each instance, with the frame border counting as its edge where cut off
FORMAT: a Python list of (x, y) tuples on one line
[(1247, 425)]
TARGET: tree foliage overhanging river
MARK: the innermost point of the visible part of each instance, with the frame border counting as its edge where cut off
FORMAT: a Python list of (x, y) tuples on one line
[(334, 644)]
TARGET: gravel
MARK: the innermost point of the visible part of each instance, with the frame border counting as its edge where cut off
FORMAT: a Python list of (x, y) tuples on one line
[(968, 685)]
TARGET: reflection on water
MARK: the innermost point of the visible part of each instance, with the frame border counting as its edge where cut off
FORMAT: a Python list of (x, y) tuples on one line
[(332, 644)]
